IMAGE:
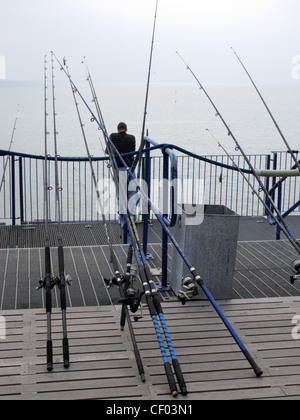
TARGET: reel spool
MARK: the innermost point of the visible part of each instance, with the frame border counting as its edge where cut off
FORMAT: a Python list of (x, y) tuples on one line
[(189, 289), (296, 270)]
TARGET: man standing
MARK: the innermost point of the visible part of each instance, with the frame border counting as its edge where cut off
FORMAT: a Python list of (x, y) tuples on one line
[(124, 143)]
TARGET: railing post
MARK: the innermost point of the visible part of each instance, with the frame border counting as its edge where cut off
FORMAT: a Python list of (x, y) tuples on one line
[(21, 190), (268, 181), (147, 177), (164, 273), (13, 191)]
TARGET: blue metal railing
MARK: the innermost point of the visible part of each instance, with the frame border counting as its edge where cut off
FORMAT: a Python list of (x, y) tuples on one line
[(22, 193)]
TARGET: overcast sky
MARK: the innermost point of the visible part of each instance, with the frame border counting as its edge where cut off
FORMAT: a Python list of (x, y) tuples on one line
[(115, 36)]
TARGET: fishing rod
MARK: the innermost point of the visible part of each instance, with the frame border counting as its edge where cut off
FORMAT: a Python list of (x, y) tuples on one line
[(138, 158), (48, 284), (270, 113), (149, 288), (94, 95), (197, 278), (254, 191), (295, 263), (61, 280), (286, 230), (10, 146), (128, 295)]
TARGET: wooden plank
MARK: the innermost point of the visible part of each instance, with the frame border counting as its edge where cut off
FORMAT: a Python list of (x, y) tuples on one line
[(103, 365)]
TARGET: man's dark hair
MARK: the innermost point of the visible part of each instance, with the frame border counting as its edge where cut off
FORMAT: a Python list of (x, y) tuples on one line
[(122, 126)]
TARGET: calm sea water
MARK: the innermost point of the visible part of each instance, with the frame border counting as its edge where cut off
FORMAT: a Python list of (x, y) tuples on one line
[(177, 114)]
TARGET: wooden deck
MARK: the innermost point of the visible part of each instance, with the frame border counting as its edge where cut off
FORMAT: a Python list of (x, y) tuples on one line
[(103, 365)]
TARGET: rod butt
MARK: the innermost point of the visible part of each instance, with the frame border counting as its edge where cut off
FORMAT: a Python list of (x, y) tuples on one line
[(171, 380), (180, 377), (66, 353), (256, 368), (49, 356)]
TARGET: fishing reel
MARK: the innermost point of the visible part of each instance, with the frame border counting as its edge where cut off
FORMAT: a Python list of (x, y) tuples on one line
[(189, 289), (296, 270), (132, 298), (55, 281)]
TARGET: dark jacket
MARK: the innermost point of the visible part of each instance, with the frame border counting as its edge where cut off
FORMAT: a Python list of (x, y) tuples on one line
[(124, 143)]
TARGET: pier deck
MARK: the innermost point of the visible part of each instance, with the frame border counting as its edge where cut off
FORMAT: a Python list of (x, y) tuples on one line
[(102, 362), (103, 365)]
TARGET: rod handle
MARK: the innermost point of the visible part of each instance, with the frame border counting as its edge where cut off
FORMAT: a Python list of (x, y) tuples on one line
[(179, 377), (171, 380), (66, 352), (49, 356), (139, 363), (254, 365)]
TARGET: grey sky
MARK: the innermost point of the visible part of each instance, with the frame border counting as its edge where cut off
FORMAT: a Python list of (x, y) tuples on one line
[(115, 36)]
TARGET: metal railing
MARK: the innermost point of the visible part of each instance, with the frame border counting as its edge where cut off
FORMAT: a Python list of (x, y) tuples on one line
[(209, 180)]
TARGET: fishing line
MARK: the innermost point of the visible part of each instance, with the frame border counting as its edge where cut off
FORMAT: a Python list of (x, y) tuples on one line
[(270, 113)]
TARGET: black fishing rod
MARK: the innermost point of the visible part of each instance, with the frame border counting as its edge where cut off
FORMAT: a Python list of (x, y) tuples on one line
[(284, 226), (47, 284), (270, 113), (138, 158), (124, 283), (61, 280), (192, 269), (9, 149)]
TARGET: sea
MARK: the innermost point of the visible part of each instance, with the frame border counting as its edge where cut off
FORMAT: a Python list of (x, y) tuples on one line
[(178, 114)]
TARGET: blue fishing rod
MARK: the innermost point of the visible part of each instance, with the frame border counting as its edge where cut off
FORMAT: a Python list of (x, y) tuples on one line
[(270, 113), (285, 229), (138, 158), (160, 218)]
